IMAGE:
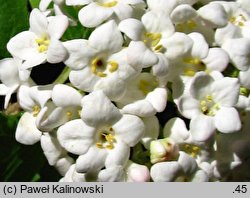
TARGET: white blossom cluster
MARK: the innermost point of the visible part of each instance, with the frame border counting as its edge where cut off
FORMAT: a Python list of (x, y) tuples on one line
[(101, 125)]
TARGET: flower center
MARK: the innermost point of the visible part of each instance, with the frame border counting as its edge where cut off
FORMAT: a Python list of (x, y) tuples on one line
[(43, 44), (106, 139), (36, 109), (238, 20), (99, 66), (107, 4), (208, 106), (187, 26), (152, 40), (192, 66), (147, 85), (190, 149)]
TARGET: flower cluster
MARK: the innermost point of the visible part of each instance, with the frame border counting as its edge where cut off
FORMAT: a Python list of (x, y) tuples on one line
[(108, 120)]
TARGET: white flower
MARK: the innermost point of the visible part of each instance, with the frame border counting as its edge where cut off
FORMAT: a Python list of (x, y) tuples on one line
[(144, 96), (32, 100), (103, 136), (210, 106), (41, 43), (106, 9), (188, 20), (238, 23), (11, 77), (153, 41), (200, 58), (100, 63), (65, 106)]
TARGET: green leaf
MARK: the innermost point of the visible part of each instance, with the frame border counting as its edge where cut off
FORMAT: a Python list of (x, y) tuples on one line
[(77, 32), (16, 159), (13, 19), (34, 3)]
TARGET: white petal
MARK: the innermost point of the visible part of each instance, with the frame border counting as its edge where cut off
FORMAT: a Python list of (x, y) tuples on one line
[(176, 129), (230, 31), (162, 67), (118, 155), (44, 4), (227, 120), (51, 117), (182, 13), (77, 2), (133, 28), (226, 91), (51, 148), (57, 26), (123, 11), (98, 110), (63, 165), (93, 15), (140, 108), (152, 128), (140, 55), (84, 79), (23, 45), (200, 176), (158, 99), (201, 85), (64, 96), (32, 62), (165, 171), (166, 6), (76, 137), (200, 46), (177, 45), (214, 13), (38, 22), (202, 128), (158, 22), (80, 53), (9, 72), (56, 52), (113, 87), (187, 163), (244, 78), (137, 173), (112, 174), (216, 60), (238, 50), (26, 132), (189, 107), (111, 41), (93, 160), (130, 129)]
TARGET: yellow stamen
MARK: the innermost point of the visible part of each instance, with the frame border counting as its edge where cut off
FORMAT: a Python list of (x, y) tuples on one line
[(113, 66), (108, 4), (99, 145), (43, 44), (36, 109), (101, 74), (69, 114)]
